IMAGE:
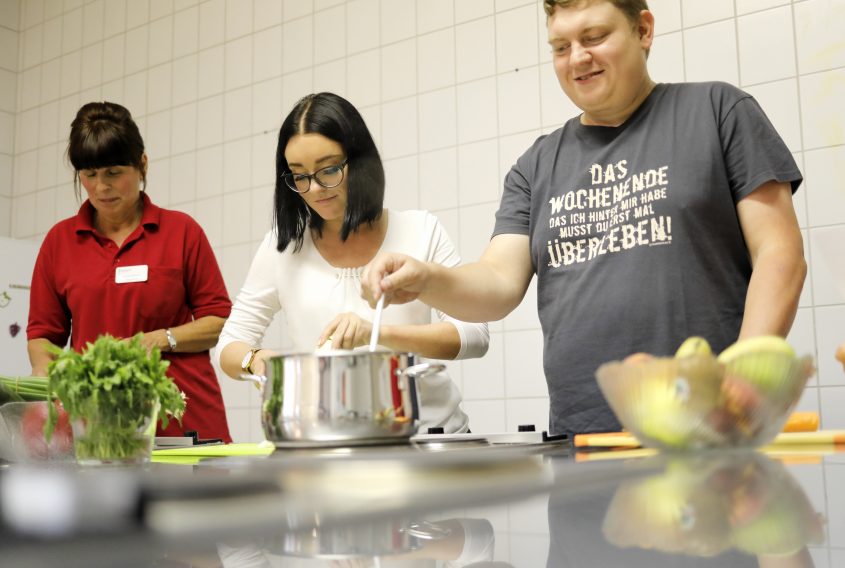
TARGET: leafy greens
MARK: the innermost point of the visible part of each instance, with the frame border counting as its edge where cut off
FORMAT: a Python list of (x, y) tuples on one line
[(113, 385)]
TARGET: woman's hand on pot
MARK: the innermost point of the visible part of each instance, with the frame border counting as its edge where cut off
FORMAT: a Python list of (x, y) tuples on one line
[(259, 363), (346, 331)]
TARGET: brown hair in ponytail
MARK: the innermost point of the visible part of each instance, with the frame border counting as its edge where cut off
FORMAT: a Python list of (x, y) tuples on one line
[(103, 134)]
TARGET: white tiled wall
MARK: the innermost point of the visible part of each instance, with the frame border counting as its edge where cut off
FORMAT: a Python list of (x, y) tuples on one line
[(9, 78), (453, 90)]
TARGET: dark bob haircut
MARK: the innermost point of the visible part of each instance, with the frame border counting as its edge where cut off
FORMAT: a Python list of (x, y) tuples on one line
[(102, 135), (335, 118)]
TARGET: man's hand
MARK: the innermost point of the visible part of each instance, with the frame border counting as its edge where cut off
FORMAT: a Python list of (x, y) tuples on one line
[(399, 277), (346, 331)]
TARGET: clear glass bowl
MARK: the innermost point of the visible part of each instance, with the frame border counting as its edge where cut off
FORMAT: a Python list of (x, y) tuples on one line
[(22, 434), (697, 402), (109, 438)]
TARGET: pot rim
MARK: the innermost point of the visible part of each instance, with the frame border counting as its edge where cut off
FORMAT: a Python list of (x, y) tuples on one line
[(341, 353)]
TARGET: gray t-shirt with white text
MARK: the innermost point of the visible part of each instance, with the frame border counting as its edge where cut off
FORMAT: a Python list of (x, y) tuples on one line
[(634, 233)]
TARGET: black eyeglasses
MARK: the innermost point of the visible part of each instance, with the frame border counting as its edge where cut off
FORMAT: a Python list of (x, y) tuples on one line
[(328, 177)]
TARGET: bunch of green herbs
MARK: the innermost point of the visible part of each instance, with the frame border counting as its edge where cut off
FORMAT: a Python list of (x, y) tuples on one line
[(113, 386), (20, 389)]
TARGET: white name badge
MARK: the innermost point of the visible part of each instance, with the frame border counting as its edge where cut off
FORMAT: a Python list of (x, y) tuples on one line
[(126, 274)]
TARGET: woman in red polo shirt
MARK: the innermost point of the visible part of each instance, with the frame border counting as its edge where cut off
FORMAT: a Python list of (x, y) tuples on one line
[(122, 265)]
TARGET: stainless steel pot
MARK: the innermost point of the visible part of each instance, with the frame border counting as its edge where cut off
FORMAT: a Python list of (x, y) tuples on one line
[(339, 398)]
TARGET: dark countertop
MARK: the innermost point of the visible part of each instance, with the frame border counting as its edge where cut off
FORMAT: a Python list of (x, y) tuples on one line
[(521, 506)]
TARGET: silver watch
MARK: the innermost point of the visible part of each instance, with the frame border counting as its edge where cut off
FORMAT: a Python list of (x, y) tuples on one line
[(170, 339)]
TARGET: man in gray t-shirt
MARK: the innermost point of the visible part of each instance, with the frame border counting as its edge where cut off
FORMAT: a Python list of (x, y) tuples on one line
[(634, 233), (661, 212)]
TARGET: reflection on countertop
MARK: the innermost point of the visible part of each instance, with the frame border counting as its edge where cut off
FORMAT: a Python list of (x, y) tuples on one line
[(712, 509), (496, 506), (393, 541)]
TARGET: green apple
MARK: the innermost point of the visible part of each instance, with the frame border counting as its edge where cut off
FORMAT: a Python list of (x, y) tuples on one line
[(759, 344), (694, 345), (672, 402), (766, 362)]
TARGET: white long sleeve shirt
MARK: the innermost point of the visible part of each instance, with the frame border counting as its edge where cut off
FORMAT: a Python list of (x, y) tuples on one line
[(311, 292)]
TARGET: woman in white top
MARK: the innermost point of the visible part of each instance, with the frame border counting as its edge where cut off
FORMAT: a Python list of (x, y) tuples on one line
[(329, 222)]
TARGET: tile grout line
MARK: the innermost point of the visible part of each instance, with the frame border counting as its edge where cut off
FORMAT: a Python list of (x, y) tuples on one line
[(809, 277)]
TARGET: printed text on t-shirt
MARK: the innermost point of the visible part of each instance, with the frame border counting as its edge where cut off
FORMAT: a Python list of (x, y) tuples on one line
[(614, 214)]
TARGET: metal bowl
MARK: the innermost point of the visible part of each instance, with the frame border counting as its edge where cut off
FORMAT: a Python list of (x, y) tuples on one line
[(698, 402)]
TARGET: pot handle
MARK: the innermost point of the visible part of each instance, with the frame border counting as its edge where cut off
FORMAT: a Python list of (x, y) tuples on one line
[(423, 370), (258, 380), (426, 530), (415, 372)]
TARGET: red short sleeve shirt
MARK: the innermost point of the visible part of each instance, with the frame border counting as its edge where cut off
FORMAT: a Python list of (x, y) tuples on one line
[(76, 292)]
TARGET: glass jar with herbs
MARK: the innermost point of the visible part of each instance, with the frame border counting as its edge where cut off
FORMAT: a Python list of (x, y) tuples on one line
[(114, 392)]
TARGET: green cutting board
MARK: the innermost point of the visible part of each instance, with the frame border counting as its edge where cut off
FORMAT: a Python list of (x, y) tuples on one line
[(217, 450)]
